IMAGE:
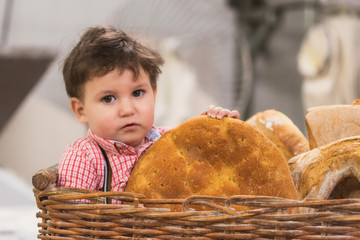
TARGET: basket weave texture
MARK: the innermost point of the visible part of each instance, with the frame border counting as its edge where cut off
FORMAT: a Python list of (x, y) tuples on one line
[(68, 213)]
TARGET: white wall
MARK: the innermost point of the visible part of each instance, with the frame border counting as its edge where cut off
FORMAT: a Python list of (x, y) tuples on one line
[(36, 136), (42, 23)]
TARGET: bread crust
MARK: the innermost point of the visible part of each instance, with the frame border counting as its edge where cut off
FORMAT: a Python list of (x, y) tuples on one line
[(207, 156), (317, 172), (277, 127), (326, 124)]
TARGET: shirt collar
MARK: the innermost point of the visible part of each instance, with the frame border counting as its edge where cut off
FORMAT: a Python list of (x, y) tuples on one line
[(117, 146), (153, 134)]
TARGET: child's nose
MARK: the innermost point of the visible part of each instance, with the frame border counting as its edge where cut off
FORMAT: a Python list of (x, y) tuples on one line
[(126, 108)]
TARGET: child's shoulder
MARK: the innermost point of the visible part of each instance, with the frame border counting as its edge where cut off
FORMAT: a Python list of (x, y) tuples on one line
[(84, 144)]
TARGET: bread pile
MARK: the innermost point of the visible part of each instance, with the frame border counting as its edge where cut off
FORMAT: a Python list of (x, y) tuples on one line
[(264, 155), (207, 156), (329, 166), (331, 169)]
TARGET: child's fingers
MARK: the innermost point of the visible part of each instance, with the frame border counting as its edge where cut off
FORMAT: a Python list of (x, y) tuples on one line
[(234, 114), (219, 112), (213, 111), (228, 113), (209, 110), (223, 113)]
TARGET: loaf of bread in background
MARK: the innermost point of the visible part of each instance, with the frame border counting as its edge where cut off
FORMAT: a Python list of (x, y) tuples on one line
[(356, 102), (207, 156), (330, 171), (326, 124), (277, 127)]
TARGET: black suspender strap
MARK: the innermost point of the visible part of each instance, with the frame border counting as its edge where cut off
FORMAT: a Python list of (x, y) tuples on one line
[(107, 174)]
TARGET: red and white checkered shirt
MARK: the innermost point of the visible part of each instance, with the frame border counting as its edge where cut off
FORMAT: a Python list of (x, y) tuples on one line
[(82, 164)]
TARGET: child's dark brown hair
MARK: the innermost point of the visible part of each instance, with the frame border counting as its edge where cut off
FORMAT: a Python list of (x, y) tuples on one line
[(102, 49)]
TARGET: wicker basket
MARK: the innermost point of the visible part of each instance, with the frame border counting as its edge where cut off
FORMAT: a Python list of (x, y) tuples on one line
[(64, 216)]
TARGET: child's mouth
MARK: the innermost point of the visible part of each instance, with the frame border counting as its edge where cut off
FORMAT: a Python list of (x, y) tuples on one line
[(130, 126)]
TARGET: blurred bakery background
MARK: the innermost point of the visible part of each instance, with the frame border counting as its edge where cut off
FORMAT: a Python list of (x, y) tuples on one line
[(249, 55)]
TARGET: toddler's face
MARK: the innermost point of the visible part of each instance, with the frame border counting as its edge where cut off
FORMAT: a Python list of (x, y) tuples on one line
[(118, 107)]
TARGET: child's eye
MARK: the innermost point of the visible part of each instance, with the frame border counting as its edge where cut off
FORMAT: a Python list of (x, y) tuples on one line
[(138, 93), (108, 99)]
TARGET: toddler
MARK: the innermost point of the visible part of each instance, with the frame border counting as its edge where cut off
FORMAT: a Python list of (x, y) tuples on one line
[(111, 81)]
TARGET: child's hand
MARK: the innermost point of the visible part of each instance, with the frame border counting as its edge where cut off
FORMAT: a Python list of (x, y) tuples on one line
[(219, 112)]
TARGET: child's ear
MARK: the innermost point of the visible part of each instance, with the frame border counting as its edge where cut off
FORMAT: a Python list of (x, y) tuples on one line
[(77, 106)]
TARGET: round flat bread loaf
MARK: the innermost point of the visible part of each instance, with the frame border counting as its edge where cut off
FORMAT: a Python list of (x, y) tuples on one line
[(207, 156)]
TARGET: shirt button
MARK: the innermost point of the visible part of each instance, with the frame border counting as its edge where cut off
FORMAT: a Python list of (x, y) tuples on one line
[(115, 155)]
